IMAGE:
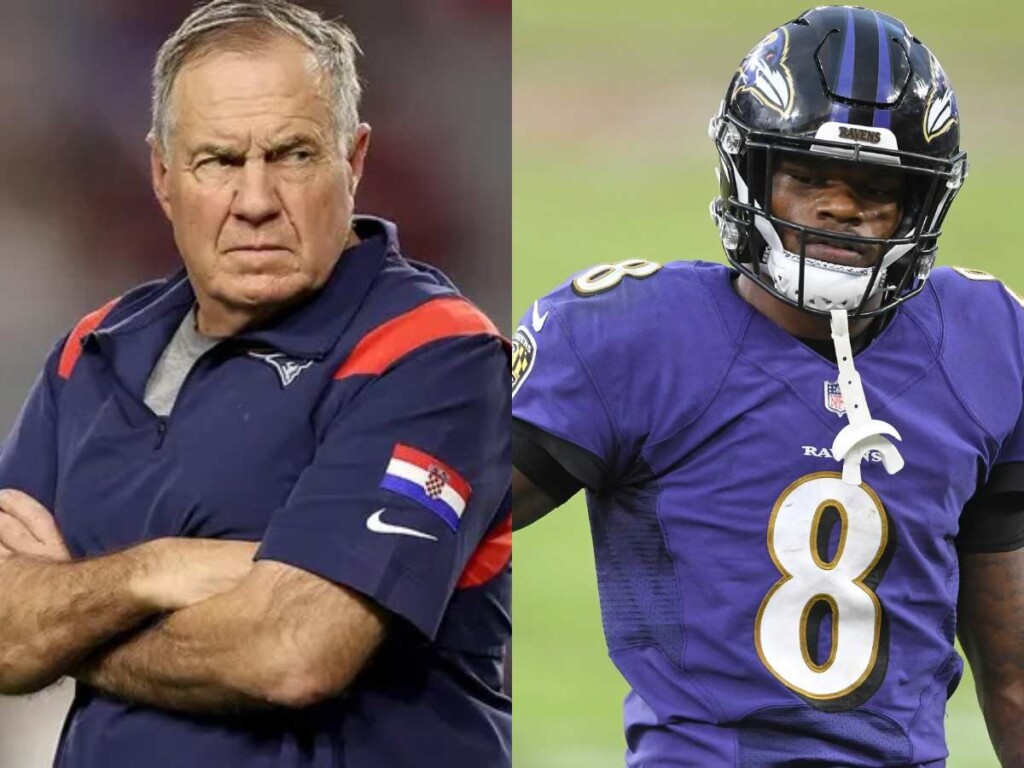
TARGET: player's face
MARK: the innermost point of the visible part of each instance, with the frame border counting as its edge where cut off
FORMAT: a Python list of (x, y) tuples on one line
[(257, 186), (841, 198)]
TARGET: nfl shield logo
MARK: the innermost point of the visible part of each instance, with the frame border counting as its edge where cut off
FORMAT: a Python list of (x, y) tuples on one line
[(834, 398)]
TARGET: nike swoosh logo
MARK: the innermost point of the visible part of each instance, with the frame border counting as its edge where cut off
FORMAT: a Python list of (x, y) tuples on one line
[(538, 318), (375, 524)]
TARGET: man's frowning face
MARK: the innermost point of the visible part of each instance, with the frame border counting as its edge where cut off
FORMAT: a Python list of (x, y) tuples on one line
[(257, 185), (862, 201)]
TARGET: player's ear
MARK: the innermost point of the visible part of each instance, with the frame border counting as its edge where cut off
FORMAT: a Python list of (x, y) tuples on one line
[(357, 155), (159, 172)]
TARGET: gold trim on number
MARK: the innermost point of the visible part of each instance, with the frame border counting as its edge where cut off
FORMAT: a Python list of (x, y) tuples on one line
[(859, 582), (804, 616), (844, 525)]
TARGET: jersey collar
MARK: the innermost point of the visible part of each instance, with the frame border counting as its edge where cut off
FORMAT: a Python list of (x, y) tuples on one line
[(307, 331), (312, 329)]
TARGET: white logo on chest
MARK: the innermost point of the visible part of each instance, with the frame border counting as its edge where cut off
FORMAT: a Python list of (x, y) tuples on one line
[(826, 453), (287, 370)]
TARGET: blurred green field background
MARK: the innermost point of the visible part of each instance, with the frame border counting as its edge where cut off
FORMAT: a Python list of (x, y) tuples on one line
[(611, 161)]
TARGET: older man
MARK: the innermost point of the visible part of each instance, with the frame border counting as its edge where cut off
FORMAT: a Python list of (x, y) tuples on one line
[(300, 385)]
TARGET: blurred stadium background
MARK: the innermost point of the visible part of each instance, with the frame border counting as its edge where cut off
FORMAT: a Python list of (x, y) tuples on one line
[(611, 161), (78, 223)]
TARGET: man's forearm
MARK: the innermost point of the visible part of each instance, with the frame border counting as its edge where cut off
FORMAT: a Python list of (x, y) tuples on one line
[(991, 627), (54, 614), (203, 659), (282, 638), (1004, 712)]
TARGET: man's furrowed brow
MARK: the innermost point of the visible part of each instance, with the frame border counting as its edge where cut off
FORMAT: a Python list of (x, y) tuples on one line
[(217, 150), (292, 141), (275, 148)]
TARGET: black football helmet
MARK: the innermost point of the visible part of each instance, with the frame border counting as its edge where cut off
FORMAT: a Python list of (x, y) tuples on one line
[(849, 85)]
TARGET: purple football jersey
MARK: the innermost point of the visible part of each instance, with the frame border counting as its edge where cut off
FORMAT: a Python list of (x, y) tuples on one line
[(762, 610)]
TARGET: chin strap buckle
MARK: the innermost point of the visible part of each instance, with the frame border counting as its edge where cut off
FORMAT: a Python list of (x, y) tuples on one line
[(862, 434)]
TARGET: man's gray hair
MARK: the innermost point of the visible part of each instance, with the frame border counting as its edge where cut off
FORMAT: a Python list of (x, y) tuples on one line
[(241, 25)]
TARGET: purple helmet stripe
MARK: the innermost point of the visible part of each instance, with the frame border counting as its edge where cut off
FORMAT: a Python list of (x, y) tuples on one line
[(841, 112), (883, 117)]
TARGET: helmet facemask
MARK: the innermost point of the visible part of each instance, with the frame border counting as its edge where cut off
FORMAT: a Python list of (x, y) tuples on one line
[(846, 85), (752, 233)]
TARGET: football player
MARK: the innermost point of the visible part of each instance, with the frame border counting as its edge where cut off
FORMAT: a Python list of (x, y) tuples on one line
[(795, 466)]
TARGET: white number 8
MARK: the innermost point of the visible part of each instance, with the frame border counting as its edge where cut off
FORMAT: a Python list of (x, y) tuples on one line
[(604, 277), (808, 582)]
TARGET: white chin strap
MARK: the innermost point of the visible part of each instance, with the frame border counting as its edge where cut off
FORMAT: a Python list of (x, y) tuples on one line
[(862, 434), (827, 286)]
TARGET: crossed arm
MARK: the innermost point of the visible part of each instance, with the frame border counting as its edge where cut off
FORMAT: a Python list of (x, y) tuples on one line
[(229, 634)]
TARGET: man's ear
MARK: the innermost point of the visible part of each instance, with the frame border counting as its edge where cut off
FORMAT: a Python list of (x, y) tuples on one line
[(357, 157), (159, 173)]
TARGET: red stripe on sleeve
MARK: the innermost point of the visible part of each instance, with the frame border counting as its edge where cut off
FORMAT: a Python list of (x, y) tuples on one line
[(433, 321), (490, 558), (73, 346), (425, 461)]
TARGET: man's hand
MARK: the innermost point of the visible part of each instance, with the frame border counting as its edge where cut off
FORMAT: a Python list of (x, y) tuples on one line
[(176, 573), (28, 528)]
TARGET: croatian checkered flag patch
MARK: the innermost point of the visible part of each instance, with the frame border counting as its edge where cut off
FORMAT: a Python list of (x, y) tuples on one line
[(429, 482)]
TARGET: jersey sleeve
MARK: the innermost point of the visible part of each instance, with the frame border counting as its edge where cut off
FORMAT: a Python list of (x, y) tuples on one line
[(408, 479), (1006, 474), (554, 390), (1008, 471), (28, 455), (993, 521), (987, 370)]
